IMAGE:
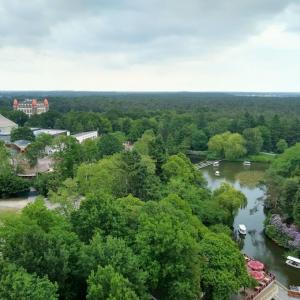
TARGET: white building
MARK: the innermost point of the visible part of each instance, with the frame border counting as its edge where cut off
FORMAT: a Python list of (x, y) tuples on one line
[(82, 136), (52, 132), (6, 125)]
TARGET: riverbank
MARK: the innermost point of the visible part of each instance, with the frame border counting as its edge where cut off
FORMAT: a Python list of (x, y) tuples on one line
[(262, 157), (255, 244)]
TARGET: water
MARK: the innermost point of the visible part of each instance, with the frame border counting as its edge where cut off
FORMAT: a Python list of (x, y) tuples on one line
[(255, 243)]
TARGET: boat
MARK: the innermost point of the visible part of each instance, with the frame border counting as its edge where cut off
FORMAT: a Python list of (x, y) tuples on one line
[(293, 262), (242, 229), (217, 173), (216, 164), (247, 163)]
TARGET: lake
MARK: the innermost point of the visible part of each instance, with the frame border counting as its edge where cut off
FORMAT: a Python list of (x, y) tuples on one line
[(255, 243)]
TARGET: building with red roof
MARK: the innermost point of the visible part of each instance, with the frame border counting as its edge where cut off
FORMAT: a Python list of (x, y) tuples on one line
[(31, 106)]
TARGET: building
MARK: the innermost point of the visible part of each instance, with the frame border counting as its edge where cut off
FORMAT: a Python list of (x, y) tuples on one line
[(20, 145), (6, 126), (31, 106), (82, 136), (52, 132)]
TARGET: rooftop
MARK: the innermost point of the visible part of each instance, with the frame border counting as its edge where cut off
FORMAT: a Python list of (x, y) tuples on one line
[(84, 133), (6, 122)]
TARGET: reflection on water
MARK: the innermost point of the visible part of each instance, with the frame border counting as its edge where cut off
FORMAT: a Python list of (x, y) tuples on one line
[(255, 243)]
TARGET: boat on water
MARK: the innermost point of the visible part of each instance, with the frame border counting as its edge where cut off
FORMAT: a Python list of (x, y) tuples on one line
[(216, 164), (242, 229), (217, 173), (247, 163), (293, 262)]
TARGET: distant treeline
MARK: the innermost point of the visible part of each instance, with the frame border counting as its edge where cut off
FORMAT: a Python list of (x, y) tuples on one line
[(184, 120)]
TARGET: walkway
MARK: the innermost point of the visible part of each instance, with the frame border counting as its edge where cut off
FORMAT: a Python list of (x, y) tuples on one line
[(204, 164), (18, 203), (282, 293)]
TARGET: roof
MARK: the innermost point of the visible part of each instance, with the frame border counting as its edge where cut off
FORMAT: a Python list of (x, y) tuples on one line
[(39, 131), (80, 134), (4, 122), (21, 144)]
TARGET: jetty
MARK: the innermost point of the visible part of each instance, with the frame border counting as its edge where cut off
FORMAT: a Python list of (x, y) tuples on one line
[(205, 164)]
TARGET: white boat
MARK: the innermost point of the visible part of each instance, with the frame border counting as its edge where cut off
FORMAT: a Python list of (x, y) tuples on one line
[(216, 164), (247, 163), (293, 262), (242, 229), (217, 173)]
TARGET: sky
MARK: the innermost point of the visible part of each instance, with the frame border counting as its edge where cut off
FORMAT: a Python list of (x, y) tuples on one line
[(150, 45)]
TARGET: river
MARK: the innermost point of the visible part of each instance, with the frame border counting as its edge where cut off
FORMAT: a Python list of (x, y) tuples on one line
[(255, 243)]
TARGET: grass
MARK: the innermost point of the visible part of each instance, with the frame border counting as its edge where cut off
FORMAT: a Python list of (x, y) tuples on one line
[(262, 157), (6, 213)]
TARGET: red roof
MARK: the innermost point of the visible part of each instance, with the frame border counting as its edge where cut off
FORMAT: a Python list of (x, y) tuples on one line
[(16, 103), (256, 265), (257, 275), (46, 103), (34, 102)]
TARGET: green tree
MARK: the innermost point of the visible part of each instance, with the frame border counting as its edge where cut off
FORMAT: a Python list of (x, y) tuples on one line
[(227, 145), (41, 242), (229, 198), (37, 148), (281, 146), (10, 184), (254, 140), (109, 144), (234, 146), (140, 182), (108, 284), (111, 251), (199, 140), (296, 209), (287, 164), (16, 283), (224, 272), (167, 244), (68, 157), (22, 133), (142, 144), (181, 167), (157, 152)]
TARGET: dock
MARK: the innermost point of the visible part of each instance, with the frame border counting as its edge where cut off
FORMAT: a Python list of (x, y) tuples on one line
[(205, 164)]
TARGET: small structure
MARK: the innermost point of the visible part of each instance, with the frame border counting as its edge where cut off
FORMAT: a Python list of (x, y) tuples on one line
[(52, 132), (31, 106), (20, 145), (83, 136), (265, 288), (217, 173), (128, 146), (6, 126), (247, 163)]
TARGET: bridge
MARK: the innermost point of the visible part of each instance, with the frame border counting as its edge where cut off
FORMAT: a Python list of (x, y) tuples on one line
[(205, 164)]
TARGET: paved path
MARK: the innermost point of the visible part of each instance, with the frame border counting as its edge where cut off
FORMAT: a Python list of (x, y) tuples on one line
[(18, 203), (282, 293)]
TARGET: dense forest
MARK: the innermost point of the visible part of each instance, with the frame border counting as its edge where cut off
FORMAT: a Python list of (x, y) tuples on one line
[(184, 120), (140, 224)]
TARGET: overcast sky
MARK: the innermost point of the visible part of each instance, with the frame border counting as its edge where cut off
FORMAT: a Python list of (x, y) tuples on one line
[(174, 45)]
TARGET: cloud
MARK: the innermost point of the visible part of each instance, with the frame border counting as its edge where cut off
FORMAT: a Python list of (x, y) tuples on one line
[(151, 29)]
